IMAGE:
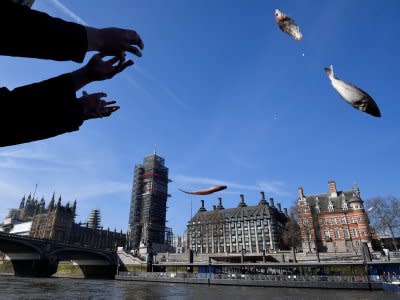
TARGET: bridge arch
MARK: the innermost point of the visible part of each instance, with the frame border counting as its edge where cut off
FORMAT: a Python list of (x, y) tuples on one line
[(92, 263), (40, 258), (27, 255), (72, 253), (10, 245)]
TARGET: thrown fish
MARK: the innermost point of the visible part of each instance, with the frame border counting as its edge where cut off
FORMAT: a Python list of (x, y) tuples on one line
[(353, 95), (209, 191), (286, 24)]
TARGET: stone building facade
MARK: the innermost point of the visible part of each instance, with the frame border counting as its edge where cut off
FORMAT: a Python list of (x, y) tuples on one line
[(333, 222), (57, 223), (249, 229), (54, 222)]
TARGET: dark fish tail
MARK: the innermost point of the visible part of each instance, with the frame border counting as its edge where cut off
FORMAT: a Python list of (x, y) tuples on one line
[(184, 191), (373, 110)]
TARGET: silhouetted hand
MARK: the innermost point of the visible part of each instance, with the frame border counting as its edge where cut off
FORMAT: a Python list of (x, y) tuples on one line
[(95, 107), (99, 69), (114, 41)]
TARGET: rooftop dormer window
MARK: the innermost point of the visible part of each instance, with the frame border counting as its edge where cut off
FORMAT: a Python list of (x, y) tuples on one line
[(344, 205), (330, 206)]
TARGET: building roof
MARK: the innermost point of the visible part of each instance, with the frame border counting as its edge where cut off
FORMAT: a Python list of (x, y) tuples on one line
[(218, 215), (22, 228), (337, 201)]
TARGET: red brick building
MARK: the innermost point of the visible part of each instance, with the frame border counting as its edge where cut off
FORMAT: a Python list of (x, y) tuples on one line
[(333, 222)]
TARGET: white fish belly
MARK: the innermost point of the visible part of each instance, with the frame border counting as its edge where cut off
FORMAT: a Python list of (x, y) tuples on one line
[(348, 92), (294, 31)]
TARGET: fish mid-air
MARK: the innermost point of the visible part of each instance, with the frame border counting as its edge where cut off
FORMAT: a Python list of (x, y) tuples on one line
[(209, 191), (286, 24), (353, 95)]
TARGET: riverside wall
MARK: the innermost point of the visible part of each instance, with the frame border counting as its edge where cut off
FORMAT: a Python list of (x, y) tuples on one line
[(321, 282)]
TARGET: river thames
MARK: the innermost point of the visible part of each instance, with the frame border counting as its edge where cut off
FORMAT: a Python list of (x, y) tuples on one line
[(62, 288)]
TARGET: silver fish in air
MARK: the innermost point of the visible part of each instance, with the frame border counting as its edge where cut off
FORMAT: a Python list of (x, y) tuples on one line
[(209, 191), (286, 24), (353, 95)]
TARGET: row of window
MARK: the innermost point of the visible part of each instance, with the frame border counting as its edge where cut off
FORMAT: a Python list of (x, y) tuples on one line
[(238, 223), (233, 249), (228, 231), (346, 234), (331, 208), (259, 220), (342, 220), (233, 238), (233, 234)]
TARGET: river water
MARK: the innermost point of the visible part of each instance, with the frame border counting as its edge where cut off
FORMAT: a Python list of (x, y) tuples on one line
[(61, 288)]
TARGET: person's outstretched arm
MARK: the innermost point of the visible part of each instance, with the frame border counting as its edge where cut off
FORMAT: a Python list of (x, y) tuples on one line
[(49, 108), (29, 33), (38, 111)]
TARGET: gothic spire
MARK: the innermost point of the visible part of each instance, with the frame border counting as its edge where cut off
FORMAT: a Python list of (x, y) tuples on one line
[(22, 204), (51, 204), (42, 202), (74, 207)]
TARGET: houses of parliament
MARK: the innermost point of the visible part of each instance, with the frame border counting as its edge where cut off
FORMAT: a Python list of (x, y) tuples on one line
[(57, 222)]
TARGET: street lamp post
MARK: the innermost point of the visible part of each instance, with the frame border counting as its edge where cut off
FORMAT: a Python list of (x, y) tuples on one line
[(242, 252), (308, 238)]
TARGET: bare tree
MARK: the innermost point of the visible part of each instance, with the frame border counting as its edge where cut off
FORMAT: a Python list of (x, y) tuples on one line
[(291, 236), (384, 213)]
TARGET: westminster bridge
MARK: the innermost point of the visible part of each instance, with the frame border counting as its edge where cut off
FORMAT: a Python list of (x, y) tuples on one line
[(40, 257)]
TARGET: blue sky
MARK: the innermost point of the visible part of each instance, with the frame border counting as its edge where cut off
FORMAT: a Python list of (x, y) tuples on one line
[(226, 97)]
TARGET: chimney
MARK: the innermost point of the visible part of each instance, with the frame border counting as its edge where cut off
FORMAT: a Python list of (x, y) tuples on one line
[(220, 203), (285, 210), (202, 208), (242, 203), (300, 192), (332, 188), (279, 206), (262, 200), (214, 207), (271, 201)]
